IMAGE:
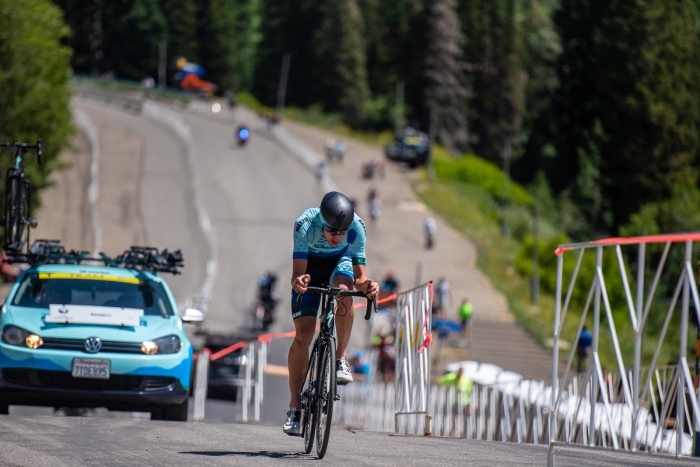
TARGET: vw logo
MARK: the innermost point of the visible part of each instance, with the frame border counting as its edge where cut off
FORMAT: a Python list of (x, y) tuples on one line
[(93, 344)]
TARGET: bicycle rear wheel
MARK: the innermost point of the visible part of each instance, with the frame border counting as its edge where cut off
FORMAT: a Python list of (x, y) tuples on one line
[(326, 398), (13, 212), (308, 402)]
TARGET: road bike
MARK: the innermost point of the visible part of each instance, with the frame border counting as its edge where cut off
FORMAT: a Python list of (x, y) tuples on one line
[(17, 212), (319, 390)]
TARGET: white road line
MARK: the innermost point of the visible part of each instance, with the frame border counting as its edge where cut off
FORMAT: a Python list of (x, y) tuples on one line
[(203, 296), (83, 121)]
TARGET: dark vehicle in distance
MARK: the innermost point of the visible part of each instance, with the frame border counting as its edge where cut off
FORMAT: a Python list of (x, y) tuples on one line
[(410, 146), (225, 373)]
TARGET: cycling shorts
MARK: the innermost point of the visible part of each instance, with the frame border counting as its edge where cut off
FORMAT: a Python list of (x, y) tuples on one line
[(322, 270)]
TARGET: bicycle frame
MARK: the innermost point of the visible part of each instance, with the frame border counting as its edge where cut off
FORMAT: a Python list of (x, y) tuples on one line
[(18, 193)]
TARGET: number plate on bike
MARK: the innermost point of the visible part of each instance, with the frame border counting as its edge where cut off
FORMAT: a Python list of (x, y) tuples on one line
[(90, 368)]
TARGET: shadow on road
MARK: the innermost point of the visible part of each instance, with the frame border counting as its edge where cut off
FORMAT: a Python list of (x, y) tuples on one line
[(273, 455)]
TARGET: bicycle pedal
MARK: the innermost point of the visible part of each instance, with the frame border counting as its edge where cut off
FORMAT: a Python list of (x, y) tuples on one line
[(337, 397)]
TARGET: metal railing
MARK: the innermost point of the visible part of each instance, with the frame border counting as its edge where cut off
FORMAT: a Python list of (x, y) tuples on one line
[(649, 409), (413, 339)]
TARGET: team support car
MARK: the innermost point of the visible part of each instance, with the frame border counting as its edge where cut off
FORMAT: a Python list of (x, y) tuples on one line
[(76, 335), (410, 146)]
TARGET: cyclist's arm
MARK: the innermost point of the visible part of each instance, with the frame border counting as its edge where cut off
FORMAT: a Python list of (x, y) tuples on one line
[(299, 276), (362, 283)]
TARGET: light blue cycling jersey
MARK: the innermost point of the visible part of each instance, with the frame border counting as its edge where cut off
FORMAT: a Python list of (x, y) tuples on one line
[(310, 240)]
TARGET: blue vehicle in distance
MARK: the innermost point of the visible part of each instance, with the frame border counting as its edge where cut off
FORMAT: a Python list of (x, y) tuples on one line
[(110, 335)]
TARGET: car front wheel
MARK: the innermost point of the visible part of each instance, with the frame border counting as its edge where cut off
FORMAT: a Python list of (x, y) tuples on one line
[(176, 413)]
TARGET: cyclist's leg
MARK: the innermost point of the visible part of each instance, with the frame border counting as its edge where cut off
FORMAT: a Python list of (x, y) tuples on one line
[(298, 358), (342, 277)]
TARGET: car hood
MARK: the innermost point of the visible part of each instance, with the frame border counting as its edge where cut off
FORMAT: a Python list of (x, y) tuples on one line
[(32, 319)]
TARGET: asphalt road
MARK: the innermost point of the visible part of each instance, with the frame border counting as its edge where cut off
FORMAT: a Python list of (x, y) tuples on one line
[(71, 441)]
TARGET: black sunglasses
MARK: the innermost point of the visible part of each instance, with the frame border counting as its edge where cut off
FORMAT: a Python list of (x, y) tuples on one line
[(335, 232)]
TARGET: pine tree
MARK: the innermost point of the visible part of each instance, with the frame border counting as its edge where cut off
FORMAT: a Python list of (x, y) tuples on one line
[(340, 57), (133, 30), (446, 90), (218, 51), (181, 17)]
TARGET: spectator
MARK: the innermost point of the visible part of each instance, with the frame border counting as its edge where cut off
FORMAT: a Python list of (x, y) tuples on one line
[(441, 297), (360, 368), (390, 284), (375, 205), (465, 317), (583, 348), (321, 171), (330, 149), (464, 386), (386, 363), (430, 228), (339, 151)]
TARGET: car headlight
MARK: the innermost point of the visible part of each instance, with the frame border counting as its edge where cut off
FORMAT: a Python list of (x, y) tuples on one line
[(14, 335), (164, 345)]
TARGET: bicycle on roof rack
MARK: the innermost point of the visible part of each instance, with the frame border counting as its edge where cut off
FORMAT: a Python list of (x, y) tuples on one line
[(319, 390), (139, 258), (17, 212)]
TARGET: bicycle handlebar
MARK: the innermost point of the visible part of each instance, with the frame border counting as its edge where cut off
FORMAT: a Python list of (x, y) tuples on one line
[(337, 292), (24, 147)]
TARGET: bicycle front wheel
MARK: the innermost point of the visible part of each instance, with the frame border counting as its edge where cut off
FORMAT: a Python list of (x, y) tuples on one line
[(326, 398)]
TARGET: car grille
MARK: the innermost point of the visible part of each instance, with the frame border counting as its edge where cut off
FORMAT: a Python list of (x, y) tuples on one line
[(79, 344), (65, 380)]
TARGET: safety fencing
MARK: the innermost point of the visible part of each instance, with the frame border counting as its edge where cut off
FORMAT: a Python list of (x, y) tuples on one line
[(654, 408)]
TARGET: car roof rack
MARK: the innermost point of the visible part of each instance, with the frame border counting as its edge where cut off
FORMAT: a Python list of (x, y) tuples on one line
[(139, 258)]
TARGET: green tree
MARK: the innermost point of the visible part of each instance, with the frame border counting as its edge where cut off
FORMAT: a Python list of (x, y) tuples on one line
[(340, 57), (34, 73), (628, 98), (133, 32), (218, 48), (445, 89), (495, 69), (181, 18)]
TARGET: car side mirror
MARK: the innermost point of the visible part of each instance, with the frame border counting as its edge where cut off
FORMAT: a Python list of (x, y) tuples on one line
[(192, 315)]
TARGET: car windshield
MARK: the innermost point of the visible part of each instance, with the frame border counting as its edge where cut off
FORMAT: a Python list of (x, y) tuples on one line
[(39, 290)]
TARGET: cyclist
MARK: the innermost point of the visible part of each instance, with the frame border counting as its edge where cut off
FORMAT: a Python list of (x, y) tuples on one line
[(329, 248)]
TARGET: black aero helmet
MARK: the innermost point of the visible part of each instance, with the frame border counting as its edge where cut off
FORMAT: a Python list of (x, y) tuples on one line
[(337, 210)]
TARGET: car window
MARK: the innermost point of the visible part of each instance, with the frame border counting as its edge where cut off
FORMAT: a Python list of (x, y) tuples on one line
[(39, 290)]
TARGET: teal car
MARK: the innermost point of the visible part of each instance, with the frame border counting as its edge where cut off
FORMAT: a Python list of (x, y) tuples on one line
[(75, 335)]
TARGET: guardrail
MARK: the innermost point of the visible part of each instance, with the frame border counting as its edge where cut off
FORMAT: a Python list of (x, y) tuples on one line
[(653, 409), (132, 101)]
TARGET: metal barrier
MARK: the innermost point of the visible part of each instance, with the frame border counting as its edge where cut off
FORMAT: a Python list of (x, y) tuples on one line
[(413, 339), (253, 360), (650, 409)]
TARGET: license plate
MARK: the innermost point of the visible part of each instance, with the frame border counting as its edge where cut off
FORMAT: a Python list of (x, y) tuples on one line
[(90, 368)]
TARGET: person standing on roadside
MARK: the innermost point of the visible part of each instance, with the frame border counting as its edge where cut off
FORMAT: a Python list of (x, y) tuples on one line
[(441, 297), (464, 386), (465, 317), (430, 227), (585, 340), (375, 205)]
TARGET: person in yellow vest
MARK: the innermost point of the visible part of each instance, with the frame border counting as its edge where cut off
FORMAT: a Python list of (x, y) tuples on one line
[(465, 318), (464, 385)]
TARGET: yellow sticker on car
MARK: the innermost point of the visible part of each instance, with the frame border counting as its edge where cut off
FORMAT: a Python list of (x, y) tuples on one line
[(88, 276)]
